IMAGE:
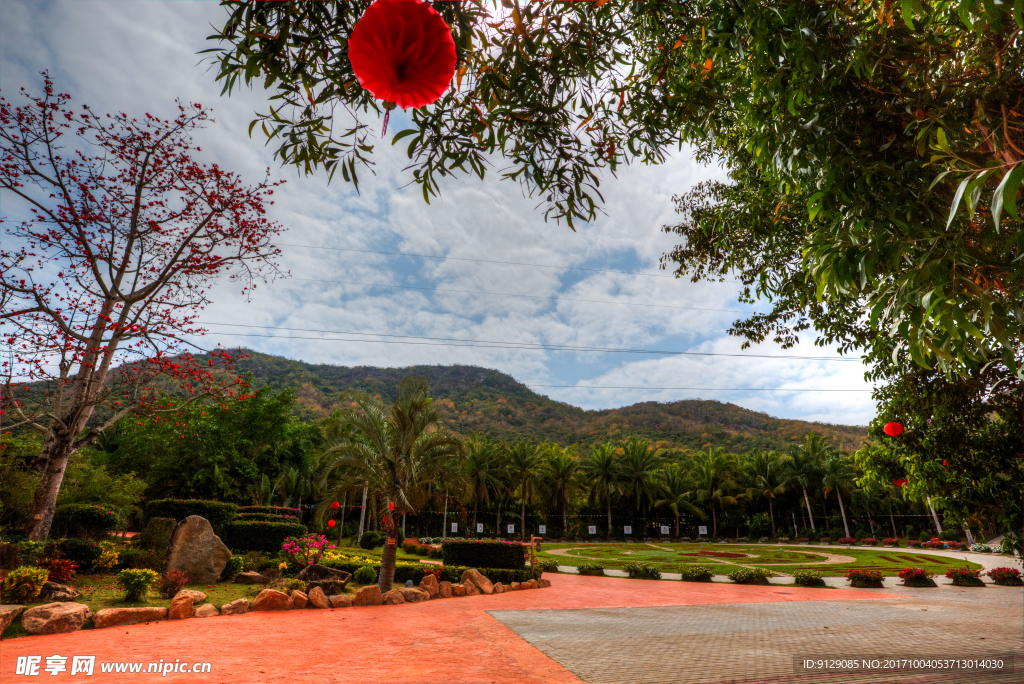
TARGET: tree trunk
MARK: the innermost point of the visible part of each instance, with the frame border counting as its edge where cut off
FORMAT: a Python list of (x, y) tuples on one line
[(608, 502), (892, 521), (341, 525), (565, 515), (677, 527), (444, 518), (522, 520), (714, 522), (476, 505), (809, 514), (842, 512), (388, 555), (56, 453), (362, 516), (935, 517), (771, 514)]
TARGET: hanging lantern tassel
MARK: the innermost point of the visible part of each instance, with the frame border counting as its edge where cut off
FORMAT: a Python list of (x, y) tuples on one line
[(402, 51), (893, 429)]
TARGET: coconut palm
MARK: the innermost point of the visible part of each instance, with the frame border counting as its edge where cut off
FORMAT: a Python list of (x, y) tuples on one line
[(712, 472), (676, 491), (765, 477), (837, 475), (523, 464), (483, 470), (639, 467), (399, 453), (805, 461), (562, 477), (602, 471)]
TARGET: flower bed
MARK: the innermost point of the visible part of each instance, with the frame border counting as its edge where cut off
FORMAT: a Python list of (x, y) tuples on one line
[(917, 577), (865, 579), (846, 540), (965, 577), (869, 541), (1007, 577), (890, 541)]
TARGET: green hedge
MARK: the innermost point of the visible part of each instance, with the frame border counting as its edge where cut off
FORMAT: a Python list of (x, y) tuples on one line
[(271, 510), (83, 520), (254, 535), (219, 513), (269, 517), (414, 572), (157, 533), (483, 553)]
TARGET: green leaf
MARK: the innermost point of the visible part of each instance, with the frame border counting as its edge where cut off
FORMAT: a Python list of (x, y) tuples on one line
[(956, 200), (1009, 196)]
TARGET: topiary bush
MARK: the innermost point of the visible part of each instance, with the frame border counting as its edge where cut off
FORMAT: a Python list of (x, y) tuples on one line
[(91, 521), (254, 535), (808, 578), (218, 513), (638, 570), (270, 510), (548, 565), (22, 585), (135, 583), (696, 573), (365, 575), (370, 540), (171, 582), (748, 576), (483, 553), (594, 569), (82, 552), (269, 517)]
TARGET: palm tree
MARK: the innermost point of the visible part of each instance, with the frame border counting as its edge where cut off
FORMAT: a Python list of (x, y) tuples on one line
[(639, 467), (676, 489), (562, 477), (602, 471), (523, 464), (805, 461), (712, 474), (398, 453), (836, 475), (482, 470), (765, 475)]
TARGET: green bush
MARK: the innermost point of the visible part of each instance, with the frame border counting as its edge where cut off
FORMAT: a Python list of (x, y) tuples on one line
[(370, 540), (503, 575), (294, 585), (590, 569), (22, 585), (483, 553), (268, 517), (365, 575), (253, 535), (233, 567), (271, 510), (642, 571), (133, 559), (83, 552), (808, 578), (219, 513), (253, 561), (748, 576), (170, 583), (157, 533), (865, 579), (91, 521), (548, 565), (696, 573), (415, 571), (136, 583)]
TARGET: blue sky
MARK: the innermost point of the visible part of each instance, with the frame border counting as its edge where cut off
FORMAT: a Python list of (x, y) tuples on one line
[(139, 56)]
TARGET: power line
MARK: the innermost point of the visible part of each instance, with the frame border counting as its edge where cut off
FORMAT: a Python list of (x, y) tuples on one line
[(461, 342), (708, 389)]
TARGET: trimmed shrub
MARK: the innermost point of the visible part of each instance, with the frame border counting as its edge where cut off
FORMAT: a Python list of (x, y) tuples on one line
[(136, 583), (157, 533), (846, 540), (965, 577), (254, 561), (365, 575), (434, 551), (1007, 577), (84, 553), (409, 545), (808, 578), (642, 571), (131, 559), (595, 569), (294, 585), (696, 573), (271, 510), (219, 513), (22, 585), (868, 541), (91, 521), (109, 558), (891, 541), (61, 570), (916, 577), (483, 553), (548, 565), (981, 548), (171, 582), (370, 540), (253, 535), (234, 566), (865, 579), (268, 517), (748, 576)]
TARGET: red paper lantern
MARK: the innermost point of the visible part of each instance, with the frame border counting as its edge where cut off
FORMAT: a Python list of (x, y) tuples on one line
[(945, 462), (893, 429), (899, 483), (391, 506), (330, 523), (335, 505), (402, 51)]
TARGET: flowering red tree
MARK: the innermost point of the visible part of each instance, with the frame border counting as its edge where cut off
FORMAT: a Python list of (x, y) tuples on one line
[(122, 236)]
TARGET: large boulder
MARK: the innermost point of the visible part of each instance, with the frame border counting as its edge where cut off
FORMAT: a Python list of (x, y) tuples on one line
[(118, 617), (251, 577), (368, 596), (207, 610), (196, 551), (476, 578), (429, 585), (330, 580), (499, 588), (515, 586), (318, 599), (532, 584), (182, 607), (444, 589), (55, 618), (414, 595), (393, 597), (340, 601), (236, 607), (470, 588), (8, 614), (197, 596), (272, 599), (458, 590), (299, 599), (543, 583), (53, 592)]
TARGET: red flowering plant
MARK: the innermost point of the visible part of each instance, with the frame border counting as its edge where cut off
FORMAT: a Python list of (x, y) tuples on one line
[(307, 549), (868, 541), (864, 578), (116, 248), (846, 540), (61, 570), (890, 541), (1007, 577), (965, 577), (917, 577)]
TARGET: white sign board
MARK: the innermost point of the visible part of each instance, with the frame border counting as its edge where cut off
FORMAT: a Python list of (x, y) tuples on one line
[(542, 529), (664, 529), (592, 529), (702, 530), (511, 529), (627, 529), (455, 527), (479, 527)]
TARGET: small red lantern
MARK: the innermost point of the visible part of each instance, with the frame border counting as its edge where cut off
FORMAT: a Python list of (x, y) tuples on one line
[(330, 523), (335, 505), (391, 506), (945, 462), (893, 429), (900, 483), (402, 51)]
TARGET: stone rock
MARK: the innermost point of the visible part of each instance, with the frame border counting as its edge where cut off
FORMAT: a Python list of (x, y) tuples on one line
[(429, 585), (471, 589), (499, 588), (197, 596), (55, 618), (196, 551), (8, 614), (393, 597), (415, 595), (444, 589), (515, 586), (340, 601), (318, 599), (458, 590), (236, 607), (251, 577), (543, 583), (331, 581), (477, 578), (117, 617), (368, 596), (299, 599), (53, 592), (181, 607), (532, 584), (272, 599), (207, 610)]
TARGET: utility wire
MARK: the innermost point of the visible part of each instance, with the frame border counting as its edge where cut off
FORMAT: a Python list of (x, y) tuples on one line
[(707, 389)]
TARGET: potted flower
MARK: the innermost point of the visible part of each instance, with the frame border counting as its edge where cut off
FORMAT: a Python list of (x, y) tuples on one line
[(917, 577), (825, 541), (890, 542), (1007, 577), (965, 577), (868, 541), (849, 541), (865, 579)]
